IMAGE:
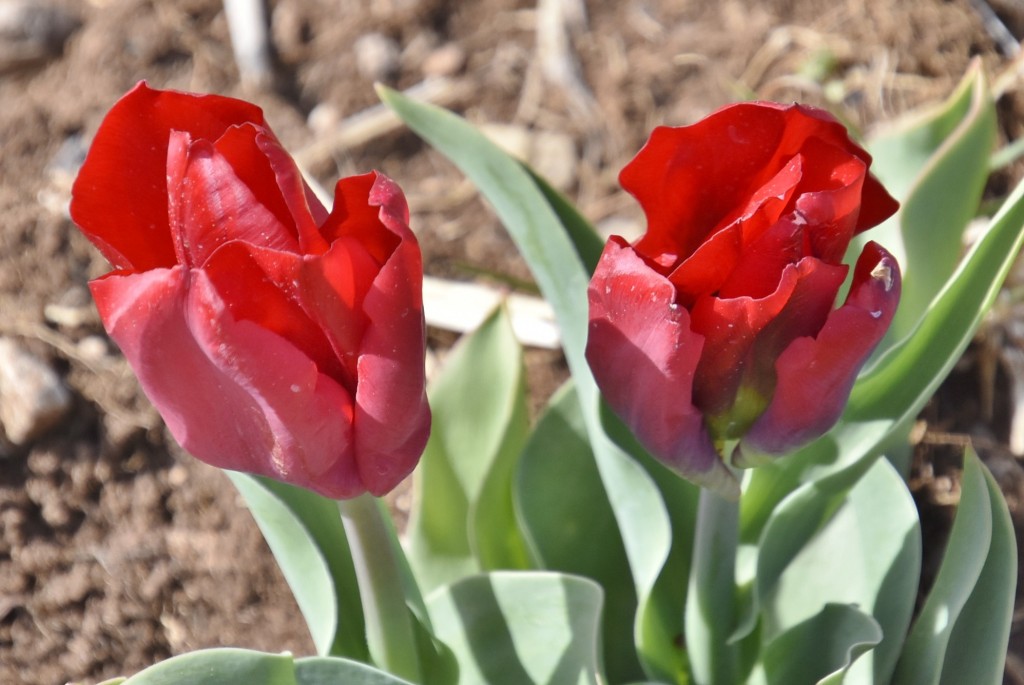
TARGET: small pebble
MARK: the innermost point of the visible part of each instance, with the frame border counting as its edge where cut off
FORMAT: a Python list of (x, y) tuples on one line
[(377, 57), (446, 60), (33, 398)]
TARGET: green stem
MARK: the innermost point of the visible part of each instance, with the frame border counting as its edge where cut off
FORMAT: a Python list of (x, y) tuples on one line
[(711, 601), (389, 629)]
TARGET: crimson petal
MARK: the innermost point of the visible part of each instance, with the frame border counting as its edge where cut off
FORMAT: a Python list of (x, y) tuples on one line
[(644, 356), (816, 375), (119, 199), (237, 396)]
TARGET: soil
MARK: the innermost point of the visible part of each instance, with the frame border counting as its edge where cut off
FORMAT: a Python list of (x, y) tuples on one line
[(117, 549)]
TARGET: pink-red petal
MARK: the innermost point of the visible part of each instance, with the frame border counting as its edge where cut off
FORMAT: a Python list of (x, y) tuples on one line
[(816, 374), (644, 356), (233, 394), (210, 205), (119, 199), (392, 419)]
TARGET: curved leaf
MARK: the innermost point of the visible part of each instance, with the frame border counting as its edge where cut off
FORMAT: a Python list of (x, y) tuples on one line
[(822, 648), (220, 667), (865, 551), (462, 519), (966, 552), (518, 628), (937, 165), (308, 541), (977, 646), (570, 530), (327, 671)]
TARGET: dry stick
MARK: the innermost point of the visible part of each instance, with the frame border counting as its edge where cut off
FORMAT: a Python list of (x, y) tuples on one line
[(996, 29), (377, 121), (250, 40)]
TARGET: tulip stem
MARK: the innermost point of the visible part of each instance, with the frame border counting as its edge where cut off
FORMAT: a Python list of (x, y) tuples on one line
[(375, 554), (711, 603)]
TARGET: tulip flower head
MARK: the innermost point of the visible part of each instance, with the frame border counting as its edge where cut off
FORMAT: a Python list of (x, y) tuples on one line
[(274, 337), (718, 327)]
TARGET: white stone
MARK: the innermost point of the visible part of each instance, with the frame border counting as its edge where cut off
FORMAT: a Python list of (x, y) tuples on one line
[(377, 56), (33, 398)]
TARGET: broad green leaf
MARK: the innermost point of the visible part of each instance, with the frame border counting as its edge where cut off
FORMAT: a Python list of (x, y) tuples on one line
[(462, 519), (977, 646), (821, 648), (843, 448), (970, 540), (711, 607), (937, 166), (237, 666), (660, 636), (586, 240), (220, 667), (909, 373), (867, 553), (308, 541), (569, 529), (545, 244), (329, 671), (518, 628)]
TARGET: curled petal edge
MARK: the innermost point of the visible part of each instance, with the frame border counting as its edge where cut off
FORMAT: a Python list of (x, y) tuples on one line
[(644, 354), (816, 375)]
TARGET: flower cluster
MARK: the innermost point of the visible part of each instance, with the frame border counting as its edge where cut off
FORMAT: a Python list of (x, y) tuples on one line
[(718, 325)]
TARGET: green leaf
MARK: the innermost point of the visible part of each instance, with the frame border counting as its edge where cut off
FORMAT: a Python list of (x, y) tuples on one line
[(841, 450), (329, 671), (977, 645), (236, 666), (588, 243), (937, 166), (966, 552), (865, 552), (711, 609), (220, 667), (660, 637), (821, 648), (571, 530), (518, 628), (462, 519), (306, 537), (545, 244), (909, 373)]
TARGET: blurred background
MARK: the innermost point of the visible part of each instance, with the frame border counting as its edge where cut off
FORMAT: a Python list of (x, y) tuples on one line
[(116, 550)]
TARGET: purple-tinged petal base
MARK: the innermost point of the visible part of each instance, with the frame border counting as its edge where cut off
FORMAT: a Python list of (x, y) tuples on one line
[(644, 355), (816, 375)]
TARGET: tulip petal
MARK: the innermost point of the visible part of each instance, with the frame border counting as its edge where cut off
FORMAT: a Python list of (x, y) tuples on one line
[(392, 420), (233, 394), (209, 204), (644, 356), (119, 199), (688, 179), (816, 374), (714, 263), (266, 287), (743, 331)]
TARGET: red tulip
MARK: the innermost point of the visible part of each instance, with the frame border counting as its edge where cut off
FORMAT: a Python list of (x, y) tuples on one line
[(718, 325), (273, 336)]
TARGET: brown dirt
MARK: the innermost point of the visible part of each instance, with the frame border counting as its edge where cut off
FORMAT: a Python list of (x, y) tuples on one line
[(117, 550)]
